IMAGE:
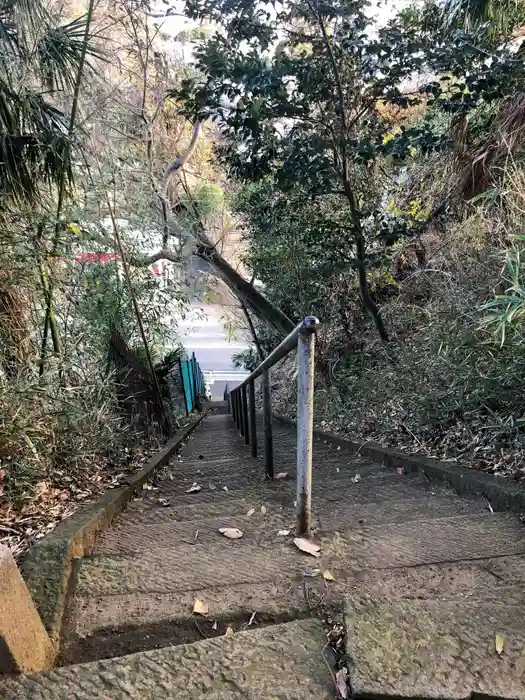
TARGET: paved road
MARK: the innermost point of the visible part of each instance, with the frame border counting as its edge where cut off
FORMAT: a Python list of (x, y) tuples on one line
[(203, 332)]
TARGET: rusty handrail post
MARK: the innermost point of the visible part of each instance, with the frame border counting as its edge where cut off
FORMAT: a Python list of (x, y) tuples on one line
[(245, 415), (267, 418), (253, 426), (305, 423), (241, 410), (238, 408), (301, 338), (226, 397)]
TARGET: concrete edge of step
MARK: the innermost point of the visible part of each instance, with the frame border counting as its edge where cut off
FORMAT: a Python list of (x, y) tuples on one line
[(47, 567), (501, 494)]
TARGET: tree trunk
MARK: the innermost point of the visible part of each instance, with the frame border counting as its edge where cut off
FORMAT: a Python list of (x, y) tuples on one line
[(244, 290), (364, 290)]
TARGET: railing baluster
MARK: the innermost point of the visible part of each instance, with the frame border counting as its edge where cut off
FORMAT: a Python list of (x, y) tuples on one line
[(302, 338), (183, 387), (305, 424), (267, 418), (241, 410), (253, 427), (238, 408), (245, 414)]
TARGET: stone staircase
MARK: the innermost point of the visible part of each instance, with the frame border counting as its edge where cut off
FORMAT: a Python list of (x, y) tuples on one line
[(416, 581)]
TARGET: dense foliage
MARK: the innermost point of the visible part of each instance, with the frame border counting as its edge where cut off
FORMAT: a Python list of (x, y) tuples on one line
[(373, 163), (93, 277), (370, 158)]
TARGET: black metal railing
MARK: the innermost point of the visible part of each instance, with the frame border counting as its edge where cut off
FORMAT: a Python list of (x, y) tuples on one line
[(241, 404)]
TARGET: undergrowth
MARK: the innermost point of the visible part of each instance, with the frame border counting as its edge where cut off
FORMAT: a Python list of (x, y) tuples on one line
[(60, 446), (451, 382)]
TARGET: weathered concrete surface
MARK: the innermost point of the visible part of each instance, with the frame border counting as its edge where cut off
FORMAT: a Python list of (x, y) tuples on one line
[(263, 556), (381, 533), (47, 567), (503, 494), (24, 644), (285, 596), (435, 649), (282, 662)]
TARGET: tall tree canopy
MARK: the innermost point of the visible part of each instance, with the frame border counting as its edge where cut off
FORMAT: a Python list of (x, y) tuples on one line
[(303, 93)]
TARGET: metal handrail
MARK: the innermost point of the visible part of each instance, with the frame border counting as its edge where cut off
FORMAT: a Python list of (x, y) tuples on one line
[(302, 337)]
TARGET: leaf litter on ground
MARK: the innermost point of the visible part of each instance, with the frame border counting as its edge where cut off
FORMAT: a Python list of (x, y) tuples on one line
[(200, 607), (341, 684), (232, 533), (307, 546), (194, 488), (41, 506)]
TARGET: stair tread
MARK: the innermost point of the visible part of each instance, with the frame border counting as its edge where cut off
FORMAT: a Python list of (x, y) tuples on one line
[(490, 579), (165, 525), (282, 661), (435, 649), (255, 559)]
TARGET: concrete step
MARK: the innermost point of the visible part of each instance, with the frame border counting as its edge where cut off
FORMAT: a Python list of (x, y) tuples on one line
[(283, 661), (163, 526), (376, 488), (256, 558), (108, 625), (435, 649)]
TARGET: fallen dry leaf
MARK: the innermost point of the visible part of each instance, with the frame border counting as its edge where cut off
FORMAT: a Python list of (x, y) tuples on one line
[(224, 488), (281, 475), (283, 533), (194, 488), (229, 631), (340, 682), (232, 533), (311, 573), (499, 644), (328, 576), (252, 618), (306, 546), (200, 607), (214, 626), (251, 511), (164, 502), (401, 470), (212, 487), (263, 510), (356, 479)]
